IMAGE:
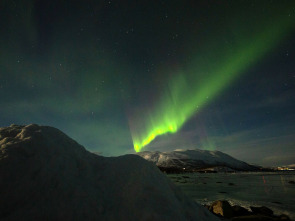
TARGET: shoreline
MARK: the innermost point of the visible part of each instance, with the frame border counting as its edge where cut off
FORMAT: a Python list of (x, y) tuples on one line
[(269, 189), (228, 210), (247, 205)]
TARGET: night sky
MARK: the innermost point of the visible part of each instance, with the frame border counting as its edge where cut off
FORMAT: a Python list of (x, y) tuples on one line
[(120, 76)]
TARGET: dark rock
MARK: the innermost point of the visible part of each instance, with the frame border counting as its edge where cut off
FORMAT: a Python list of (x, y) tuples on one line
[(207, 206), (284, 217), (231, 184), (261, 210), (210, 208), (240, 211), (222, 208), (254, 218), (291, 182)]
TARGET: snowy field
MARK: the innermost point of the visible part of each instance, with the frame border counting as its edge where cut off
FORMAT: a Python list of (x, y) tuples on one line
[(270, 189)]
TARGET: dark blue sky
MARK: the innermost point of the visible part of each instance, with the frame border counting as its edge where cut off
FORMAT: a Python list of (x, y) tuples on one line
[(84, 66)]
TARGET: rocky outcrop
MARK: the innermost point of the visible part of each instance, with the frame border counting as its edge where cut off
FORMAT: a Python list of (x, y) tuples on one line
[(223, 209), (261, 210), (240, 211), (254, 218), (45, 175)]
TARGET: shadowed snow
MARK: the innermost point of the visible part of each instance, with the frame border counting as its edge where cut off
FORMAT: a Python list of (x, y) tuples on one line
[(45, 175)]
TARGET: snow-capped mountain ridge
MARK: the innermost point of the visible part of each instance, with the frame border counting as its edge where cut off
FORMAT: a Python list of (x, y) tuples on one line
[(194, 159)]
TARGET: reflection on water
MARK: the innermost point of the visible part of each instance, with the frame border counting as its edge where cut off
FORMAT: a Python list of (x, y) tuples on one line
[(246, 189)]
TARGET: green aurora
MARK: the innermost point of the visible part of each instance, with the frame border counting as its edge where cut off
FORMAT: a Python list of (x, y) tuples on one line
[(196, 84), (153, 75)]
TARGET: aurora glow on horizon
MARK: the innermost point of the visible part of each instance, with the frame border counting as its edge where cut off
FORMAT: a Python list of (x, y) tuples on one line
[(183, 97), (126, 76)]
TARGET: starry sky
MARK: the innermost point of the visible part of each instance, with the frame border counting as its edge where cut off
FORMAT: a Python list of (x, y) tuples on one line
[(119, 76)]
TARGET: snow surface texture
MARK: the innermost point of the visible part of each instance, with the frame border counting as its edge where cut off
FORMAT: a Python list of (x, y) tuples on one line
[(45, 175), (194, 159)]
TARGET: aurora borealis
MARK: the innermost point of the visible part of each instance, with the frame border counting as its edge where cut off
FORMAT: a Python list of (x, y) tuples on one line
[(184, 99), (155, 75)]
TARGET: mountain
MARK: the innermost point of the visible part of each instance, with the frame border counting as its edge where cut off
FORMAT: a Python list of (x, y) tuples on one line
[(45, 175), (195, 160)]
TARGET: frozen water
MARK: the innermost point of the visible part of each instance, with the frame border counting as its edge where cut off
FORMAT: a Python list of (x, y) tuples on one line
[(246, 189)]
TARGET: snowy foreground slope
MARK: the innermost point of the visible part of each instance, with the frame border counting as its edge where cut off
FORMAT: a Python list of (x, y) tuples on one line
[(45, 175), (194, 159)]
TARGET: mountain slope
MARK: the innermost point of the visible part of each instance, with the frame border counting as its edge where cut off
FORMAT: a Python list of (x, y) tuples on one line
[(194, 159), (45, 175)]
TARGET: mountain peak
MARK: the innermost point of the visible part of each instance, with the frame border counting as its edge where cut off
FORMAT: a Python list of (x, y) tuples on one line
[(194, 159)]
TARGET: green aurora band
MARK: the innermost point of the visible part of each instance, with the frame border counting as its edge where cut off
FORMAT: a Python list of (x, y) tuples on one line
[(198, 83)]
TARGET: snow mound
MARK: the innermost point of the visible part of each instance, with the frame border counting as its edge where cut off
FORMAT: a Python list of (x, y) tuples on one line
[(45, 175)]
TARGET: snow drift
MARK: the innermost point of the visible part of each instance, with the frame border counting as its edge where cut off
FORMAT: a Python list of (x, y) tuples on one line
[(45, 175)]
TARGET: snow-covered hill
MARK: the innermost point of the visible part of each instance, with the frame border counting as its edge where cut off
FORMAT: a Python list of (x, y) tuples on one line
[(194, 159), (45, 175)]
